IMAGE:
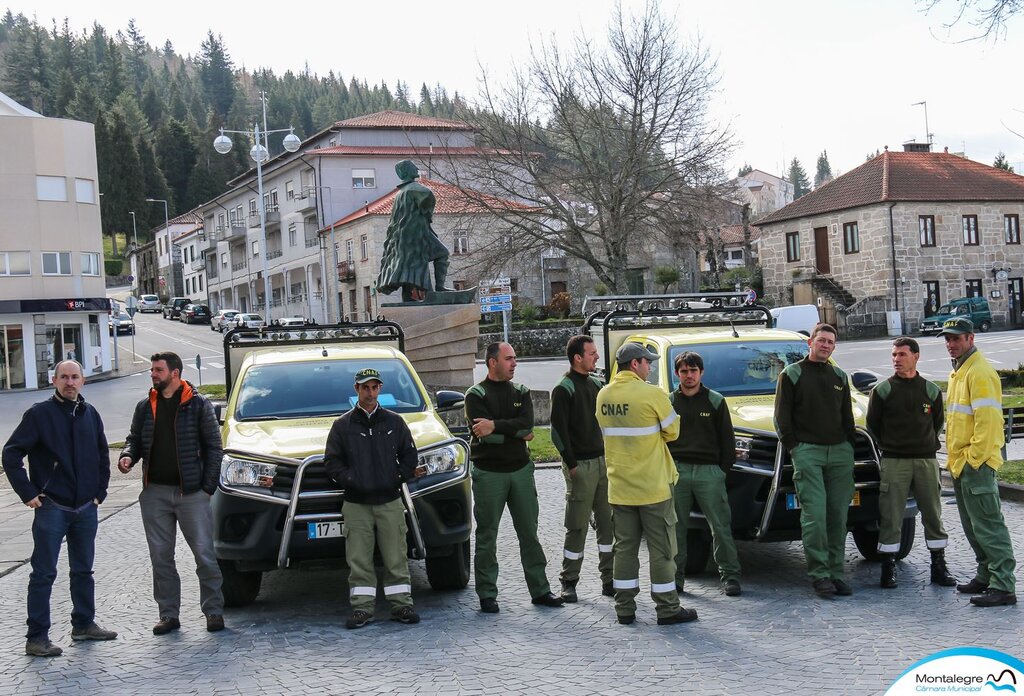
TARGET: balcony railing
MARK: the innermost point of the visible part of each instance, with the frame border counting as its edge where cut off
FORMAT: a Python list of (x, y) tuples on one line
[(274, 254), (346, 271), (239, 266), (305, 200), (310, 243)]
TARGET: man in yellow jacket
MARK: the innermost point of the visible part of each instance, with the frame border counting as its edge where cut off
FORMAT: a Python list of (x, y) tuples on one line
[(974, 438), (637, 421)]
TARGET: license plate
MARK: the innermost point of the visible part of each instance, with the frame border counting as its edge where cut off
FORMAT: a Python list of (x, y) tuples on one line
[(323, 530), (793, 503)]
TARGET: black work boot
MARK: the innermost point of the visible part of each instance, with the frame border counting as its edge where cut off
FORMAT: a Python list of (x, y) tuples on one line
[(940, 573), (888, 579)]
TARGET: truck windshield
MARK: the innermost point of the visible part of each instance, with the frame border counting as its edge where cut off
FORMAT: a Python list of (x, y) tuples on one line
[(322, 388), (737, 369)]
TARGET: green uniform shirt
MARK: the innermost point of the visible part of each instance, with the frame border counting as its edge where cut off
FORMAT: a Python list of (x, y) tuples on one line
[(705, 429), (574, 429), (905, 417), (812, 404), (509, 405)]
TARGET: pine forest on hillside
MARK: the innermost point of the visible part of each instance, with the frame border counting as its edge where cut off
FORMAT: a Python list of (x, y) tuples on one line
[(156, 114)]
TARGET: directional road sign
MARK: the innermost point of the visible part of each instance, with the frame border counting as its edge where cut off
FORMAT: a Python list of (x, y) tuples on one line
[(495, 299), (502, 307)]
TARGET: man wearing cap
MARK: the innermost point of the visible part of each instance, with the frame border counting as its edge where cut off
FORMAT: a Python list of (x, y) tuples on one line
[(637, 421), (577, 436), (974, 439), (704, 453), (814, 420), (905, 416), (370, 453), (500, 417)]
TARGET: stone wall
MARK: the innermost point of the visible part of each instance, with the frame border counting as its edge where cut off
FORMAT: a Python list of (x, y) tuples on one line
[(871, 272), (546, 342)]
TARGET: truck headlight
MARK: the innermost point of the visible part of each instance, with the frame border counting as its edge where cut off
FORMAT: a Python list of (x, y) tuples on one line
[(441, 459), (242, 472), (743, 448)]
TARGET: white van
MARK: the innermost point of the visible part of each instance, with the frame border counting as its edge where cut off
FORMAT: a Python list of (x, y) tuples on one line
[(801, 318)]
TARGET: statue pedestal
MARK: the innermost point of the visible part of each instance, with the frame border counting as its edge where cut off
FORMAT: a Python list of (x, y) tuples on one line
[(440, 340)]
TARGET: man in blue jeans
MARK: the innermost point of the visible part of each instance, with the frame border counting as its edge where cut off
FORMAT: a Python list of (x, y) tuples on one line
[(68, 473)]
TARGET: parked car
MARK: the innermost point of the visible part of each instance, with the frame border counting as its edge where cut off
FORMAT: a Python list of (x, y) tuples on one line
[(249, 321), (974, 308), (149, 303), (744, 354), (275, 508), (195, 314), (173, 308), (223, 319), (122, 321), (290, 321)]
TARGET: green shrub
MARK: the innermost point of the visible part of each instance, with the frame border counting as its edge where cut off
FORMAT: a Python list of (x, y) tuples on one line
[(113, 267)]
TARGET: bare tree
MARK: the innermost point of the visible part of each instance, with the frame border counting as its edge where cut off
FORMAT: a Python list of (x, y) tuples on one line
[(609, 148), (989, 16)]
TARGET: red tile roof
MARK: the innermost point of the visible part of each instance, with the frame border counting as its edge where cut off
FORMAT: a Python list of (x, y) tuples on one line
[(906, 176), (402, 119), (451, 200), (394, 151), (733, 234)]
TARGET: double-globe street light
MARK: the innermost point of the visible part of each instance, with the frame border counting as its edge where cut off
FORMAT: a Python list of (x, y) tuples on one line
[(260, 153)]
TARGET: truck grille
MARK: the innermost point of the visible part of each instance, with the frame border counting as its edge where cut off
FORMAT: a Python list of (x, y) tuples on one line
[(314, 479)]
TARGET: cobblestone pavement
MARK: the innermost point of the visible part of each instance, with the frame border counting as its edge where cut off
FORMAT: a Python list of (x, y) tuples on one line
[(775, 639)]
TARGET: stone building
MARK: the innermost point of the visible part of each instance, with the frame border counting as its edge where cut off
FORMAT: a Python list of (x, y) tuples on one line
[(902, 233)]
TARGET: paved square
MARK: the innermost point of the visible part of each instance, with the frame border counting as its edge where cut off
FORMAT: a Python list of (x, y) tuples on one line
[(775, 639)]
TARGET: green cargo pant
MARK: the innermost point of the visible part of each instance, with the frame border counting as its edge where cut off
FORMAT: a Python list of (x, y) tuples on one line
[(492, 491), (977, 499), (384, 524), (899, 476), (823, 476), (656, 523), (586, 492), (705, 484)]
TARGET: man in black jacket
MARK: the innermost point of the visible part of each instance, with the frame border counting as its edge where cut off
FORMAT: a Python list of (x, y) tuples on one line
[(370, 453), (68, 473), (175, 434)]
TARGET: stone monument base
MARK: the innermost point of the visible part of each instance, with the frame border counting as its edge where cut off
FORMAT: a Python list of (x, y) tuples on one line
[(440, 340)]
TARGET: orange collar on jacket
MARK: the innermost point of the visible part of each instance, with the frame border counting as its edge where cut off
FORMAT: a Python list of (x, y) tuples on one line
[(187, 392)]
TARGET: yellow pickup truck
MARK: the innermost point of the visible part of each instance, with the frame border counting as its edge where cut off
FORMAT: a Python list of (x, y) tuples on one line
[(275, 506), (743, 356)]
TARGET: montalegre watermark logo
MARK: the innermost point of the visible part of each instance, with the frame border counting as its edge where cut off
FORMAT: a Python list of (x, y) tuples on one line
[(962, 671)]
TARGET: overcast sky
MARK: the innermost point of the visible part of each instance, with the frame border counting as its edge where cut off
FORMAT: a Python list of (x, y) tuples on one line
[(797, 76)]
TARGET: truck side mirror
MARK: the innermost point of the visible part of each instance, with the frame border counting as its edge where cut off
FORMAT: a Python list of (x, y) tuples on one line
[(449, 400)]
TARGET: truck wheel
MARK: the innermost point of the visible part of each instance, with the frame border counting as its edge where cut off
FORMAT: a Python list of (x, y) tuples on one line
[(985, 326), (240, 587), (867, 540), (450, 572), (698, 550)]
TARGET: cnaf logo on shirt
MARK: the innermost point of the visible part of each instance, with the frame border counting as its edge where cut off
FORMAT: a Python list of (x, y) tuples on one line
[(926, 408), (614, 409)]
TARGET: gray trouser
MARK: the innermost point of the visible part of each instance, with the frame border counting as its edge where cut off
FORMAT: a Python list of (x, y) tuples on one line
[(164, 509)]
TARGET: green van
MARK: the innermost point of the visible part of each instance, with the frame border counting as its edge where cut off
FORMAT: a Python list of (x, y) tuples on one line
[(973, 308)]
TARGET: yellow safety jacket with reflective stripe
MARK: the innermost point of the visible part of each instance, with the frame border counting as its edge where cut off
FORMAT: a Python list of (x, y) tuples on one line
[(637, 421), (974, 416)]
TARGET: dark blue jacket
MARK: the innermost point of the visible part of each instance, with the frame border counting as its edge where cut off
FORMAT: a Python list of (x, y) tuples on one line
[(68, 460), (196, 439)]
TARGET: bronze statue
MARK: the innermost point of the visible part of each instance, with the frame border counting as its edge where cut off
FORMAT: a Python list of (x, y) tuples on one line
[(411, 244)]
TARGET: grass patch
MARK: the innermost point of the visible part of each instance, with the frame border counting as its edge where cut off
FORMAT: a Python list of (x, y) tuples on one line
[(214, 391), (108, 246), (541, 447), (1012, 472)]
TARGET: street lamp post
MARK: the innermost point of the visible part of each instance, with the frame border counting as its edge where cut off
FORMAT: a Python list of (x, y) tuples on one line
[(135, 232), (335, 283), (167, 231), (260, 153)]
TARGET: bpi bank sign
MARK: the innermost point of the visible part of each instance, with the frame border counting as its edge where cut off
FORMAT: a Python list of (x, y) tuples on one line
[(962, 671)]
